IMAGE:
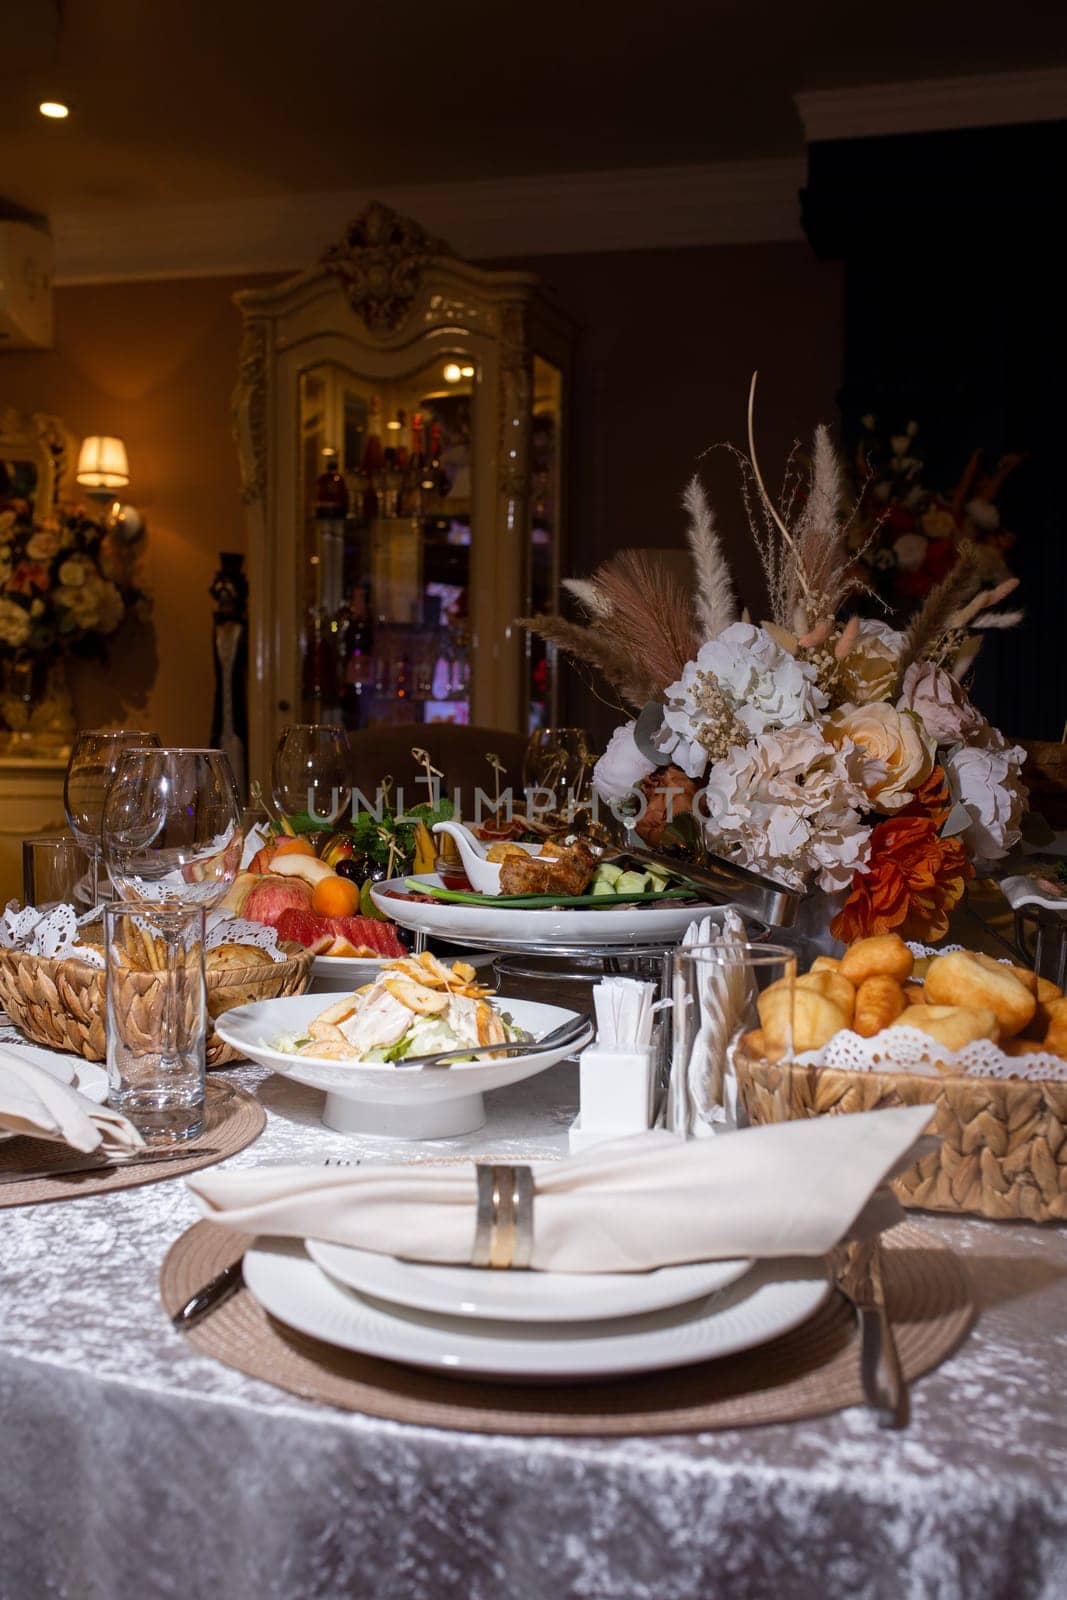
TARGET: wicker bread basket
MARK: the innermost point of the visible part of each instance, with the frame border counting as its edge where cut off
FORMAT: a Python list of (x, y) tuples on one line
[(61, 1003), (1003, 1148)]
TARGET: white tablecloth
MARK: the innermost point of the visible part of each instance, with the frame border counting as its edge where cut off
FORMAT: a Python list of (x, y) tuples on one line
[(134, 1468)]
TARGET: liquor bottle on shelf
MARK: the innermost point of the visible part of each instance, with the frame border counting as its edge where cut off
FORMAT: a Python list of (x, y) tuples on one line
[(331, 491), (402, 676), (391, 484), (373, 455), (320, 661), (418, 438), (358, 660)]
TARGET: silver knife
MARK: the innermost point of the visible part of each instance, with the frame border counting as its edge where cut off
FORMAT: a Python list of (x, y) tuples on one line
[(859, 1277), (207, 1299), (107, 1164)]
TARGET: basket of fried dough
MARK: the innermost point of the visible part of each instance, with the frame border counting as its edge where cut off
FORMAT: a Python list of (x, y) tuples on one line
[(60, 1002), (1002, 1150)]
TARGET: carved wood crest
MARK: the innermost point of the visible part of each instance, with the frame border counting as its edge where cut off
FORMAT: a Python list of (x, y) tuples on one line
[(380, 261)]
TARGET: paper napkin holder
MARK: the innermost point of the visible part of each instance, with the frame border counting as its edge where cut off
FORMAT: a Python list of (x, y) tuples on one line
[(616, 1090)]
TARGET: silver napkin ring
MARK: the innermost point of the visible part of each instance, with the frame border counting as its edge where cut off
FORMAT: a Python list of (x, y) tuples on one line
[(503, 1232)]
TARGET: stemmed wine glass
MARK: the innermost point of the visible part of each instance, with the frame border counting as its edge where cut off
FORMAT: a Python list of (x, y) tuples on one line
[(561, 761), (173, 829), (93, 761), (311, 775)]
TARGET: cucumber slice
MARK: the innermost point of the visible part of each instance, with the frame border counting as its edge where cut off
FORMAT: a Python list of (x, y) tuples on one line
[(632, 883), (606, 873)]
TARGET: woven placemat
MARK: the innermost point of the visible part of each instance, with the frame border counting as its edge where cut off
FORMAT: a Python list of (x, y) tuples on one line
[(813, 1370), (232, 1119)]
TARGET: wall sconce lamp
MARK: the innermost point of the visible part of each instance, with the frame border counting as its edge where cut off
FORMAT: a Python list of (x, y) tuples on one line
[(102, 469)]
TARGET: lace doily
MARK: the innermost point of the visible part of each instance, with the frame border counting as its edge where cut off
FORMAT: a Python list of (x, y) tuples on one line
[(236, 930), (55, 934), (907, 1050)]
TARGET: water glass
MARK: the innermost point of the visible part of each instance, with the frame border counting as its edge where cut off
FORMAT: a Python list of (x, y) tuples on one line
[(721, 997), (156, 1018), (56, 871), (311, 774), (173, 828)]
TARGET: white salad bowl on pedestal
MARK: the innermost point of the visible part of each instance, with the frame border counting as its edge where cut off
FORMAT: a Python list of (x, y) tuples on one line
[(387, 1098)]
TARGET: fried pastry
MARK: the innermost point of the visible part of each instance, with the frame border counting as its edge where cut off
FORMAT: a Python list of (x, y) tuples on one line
[(1056, 1037), (879, 1001), (238, 955), (962, 979), (951, 1026), (882, 955), (914, 994), (830, 983), (815, 1017)]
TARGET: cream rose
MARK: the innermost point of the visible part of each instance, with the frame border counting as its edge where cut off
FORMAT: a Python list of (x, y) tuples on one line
[(869, 671), (621, 767), (895, 740)]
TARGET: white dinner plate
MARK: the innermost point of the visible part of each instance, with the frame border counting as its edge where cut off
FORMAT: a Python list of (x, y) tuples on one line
[(504, 927), (520, 1296), (380, 1098), (57, 1063), (769, 1300)]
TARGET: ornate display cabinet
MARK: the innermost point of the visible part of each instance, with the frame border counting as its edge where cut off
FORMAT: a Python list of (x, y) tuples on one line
[(400, 416)]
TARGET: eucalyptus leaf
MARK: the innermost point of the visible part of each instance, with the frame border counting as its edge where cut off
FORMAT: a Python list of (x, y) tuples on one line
[(957, 821), (646, 727)]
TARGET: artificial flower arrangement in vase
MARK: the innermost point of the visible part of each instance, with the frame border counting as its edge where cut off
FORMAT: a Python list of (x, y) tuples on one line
[(66, 587), (906, 535), (833, 754)]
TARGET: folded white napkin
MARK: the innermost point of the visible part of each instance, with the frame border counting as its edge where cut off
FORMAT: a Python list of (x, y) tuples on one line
[(793, 1188), (34, 1103)]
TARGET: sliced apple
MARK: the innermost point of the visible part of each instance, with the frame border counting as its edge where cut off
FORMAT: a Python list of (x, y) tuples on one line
[(309, 868)]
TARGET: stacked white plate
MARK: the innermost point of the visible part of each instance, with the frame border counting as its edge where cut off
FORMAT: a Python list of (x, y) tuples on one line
[(529, 1326)]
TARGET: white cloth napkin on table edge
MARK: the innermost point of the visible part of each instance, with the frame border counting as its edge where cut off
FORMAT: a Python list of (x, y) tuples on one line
[(34, 1103), (650, 1200)]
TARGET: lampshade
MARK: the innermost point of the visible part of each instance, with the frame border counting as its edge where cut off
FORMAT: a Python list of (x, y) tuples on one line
[(102, 463)]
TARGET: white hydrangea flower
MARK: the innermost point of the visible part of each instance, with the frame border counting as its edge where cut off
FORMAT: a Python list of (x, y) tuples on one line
[(621, 767), (987, 781), (789, 805), (741, 682)]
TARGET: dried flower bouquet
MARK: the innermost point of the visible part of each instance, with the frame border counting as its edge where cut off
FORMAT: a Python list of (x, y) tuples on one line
[(820, 749)]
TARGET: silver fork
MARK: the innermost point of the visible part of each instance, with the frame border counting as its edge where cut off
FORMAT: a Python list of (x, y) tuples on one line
[(226, 1283)]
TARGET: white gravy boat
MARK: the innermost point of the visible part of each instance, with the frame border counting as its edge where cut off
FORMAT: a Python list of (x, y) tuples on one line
[(484, 875)]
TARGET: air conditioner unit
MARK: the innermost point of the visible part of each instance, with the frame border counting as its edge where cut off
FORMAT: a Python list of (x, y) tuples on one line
[(27, 259)]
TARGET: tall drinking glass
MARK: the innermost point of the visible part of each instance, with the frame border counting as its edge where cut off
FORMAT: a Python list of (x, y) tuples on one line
[(94, 758), (173, 828), (156, 1018), (725, 995), (311, 774), (55, 872)]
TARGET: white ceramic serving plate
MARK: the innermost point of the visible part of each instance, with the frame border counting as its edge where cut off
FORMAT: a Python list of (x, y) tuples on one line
[(520, 1296), (345, 974), (378, 1098), (506, 927), (770, 1300)]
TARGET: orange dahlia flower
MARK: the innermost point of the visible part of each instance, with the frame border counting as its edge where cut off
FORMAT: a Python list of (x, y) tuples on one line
[(913, 881), (930, 799)]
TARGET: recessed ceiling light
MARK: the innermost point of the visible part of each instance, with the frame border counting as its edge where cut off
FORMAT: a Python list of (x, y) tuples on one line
[(452, 373), (54, 109)]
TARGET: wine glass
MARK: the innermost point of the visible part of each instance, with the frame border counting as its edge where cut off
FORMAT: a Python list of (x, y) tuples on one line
[(311, 775), (173, 830), (559, 760), (93, 760)]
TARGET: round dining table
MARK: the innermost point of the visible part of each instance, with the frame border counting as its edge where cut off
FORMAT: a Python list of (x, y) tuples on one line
[(137, 1468)]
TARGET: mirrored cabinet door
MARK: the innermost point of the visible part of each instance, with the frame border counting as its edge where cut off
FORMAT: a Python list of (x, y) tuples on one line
[(401, 419)]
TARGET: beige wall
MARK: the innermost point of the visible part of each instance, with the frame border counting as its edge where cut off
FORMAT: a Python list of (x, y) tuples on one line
[(153, 363), (666, 346)]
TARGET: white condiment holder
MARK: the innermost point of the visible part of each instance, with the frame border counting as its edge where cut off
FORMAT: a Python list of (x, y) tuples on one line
[(616, 1073)]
